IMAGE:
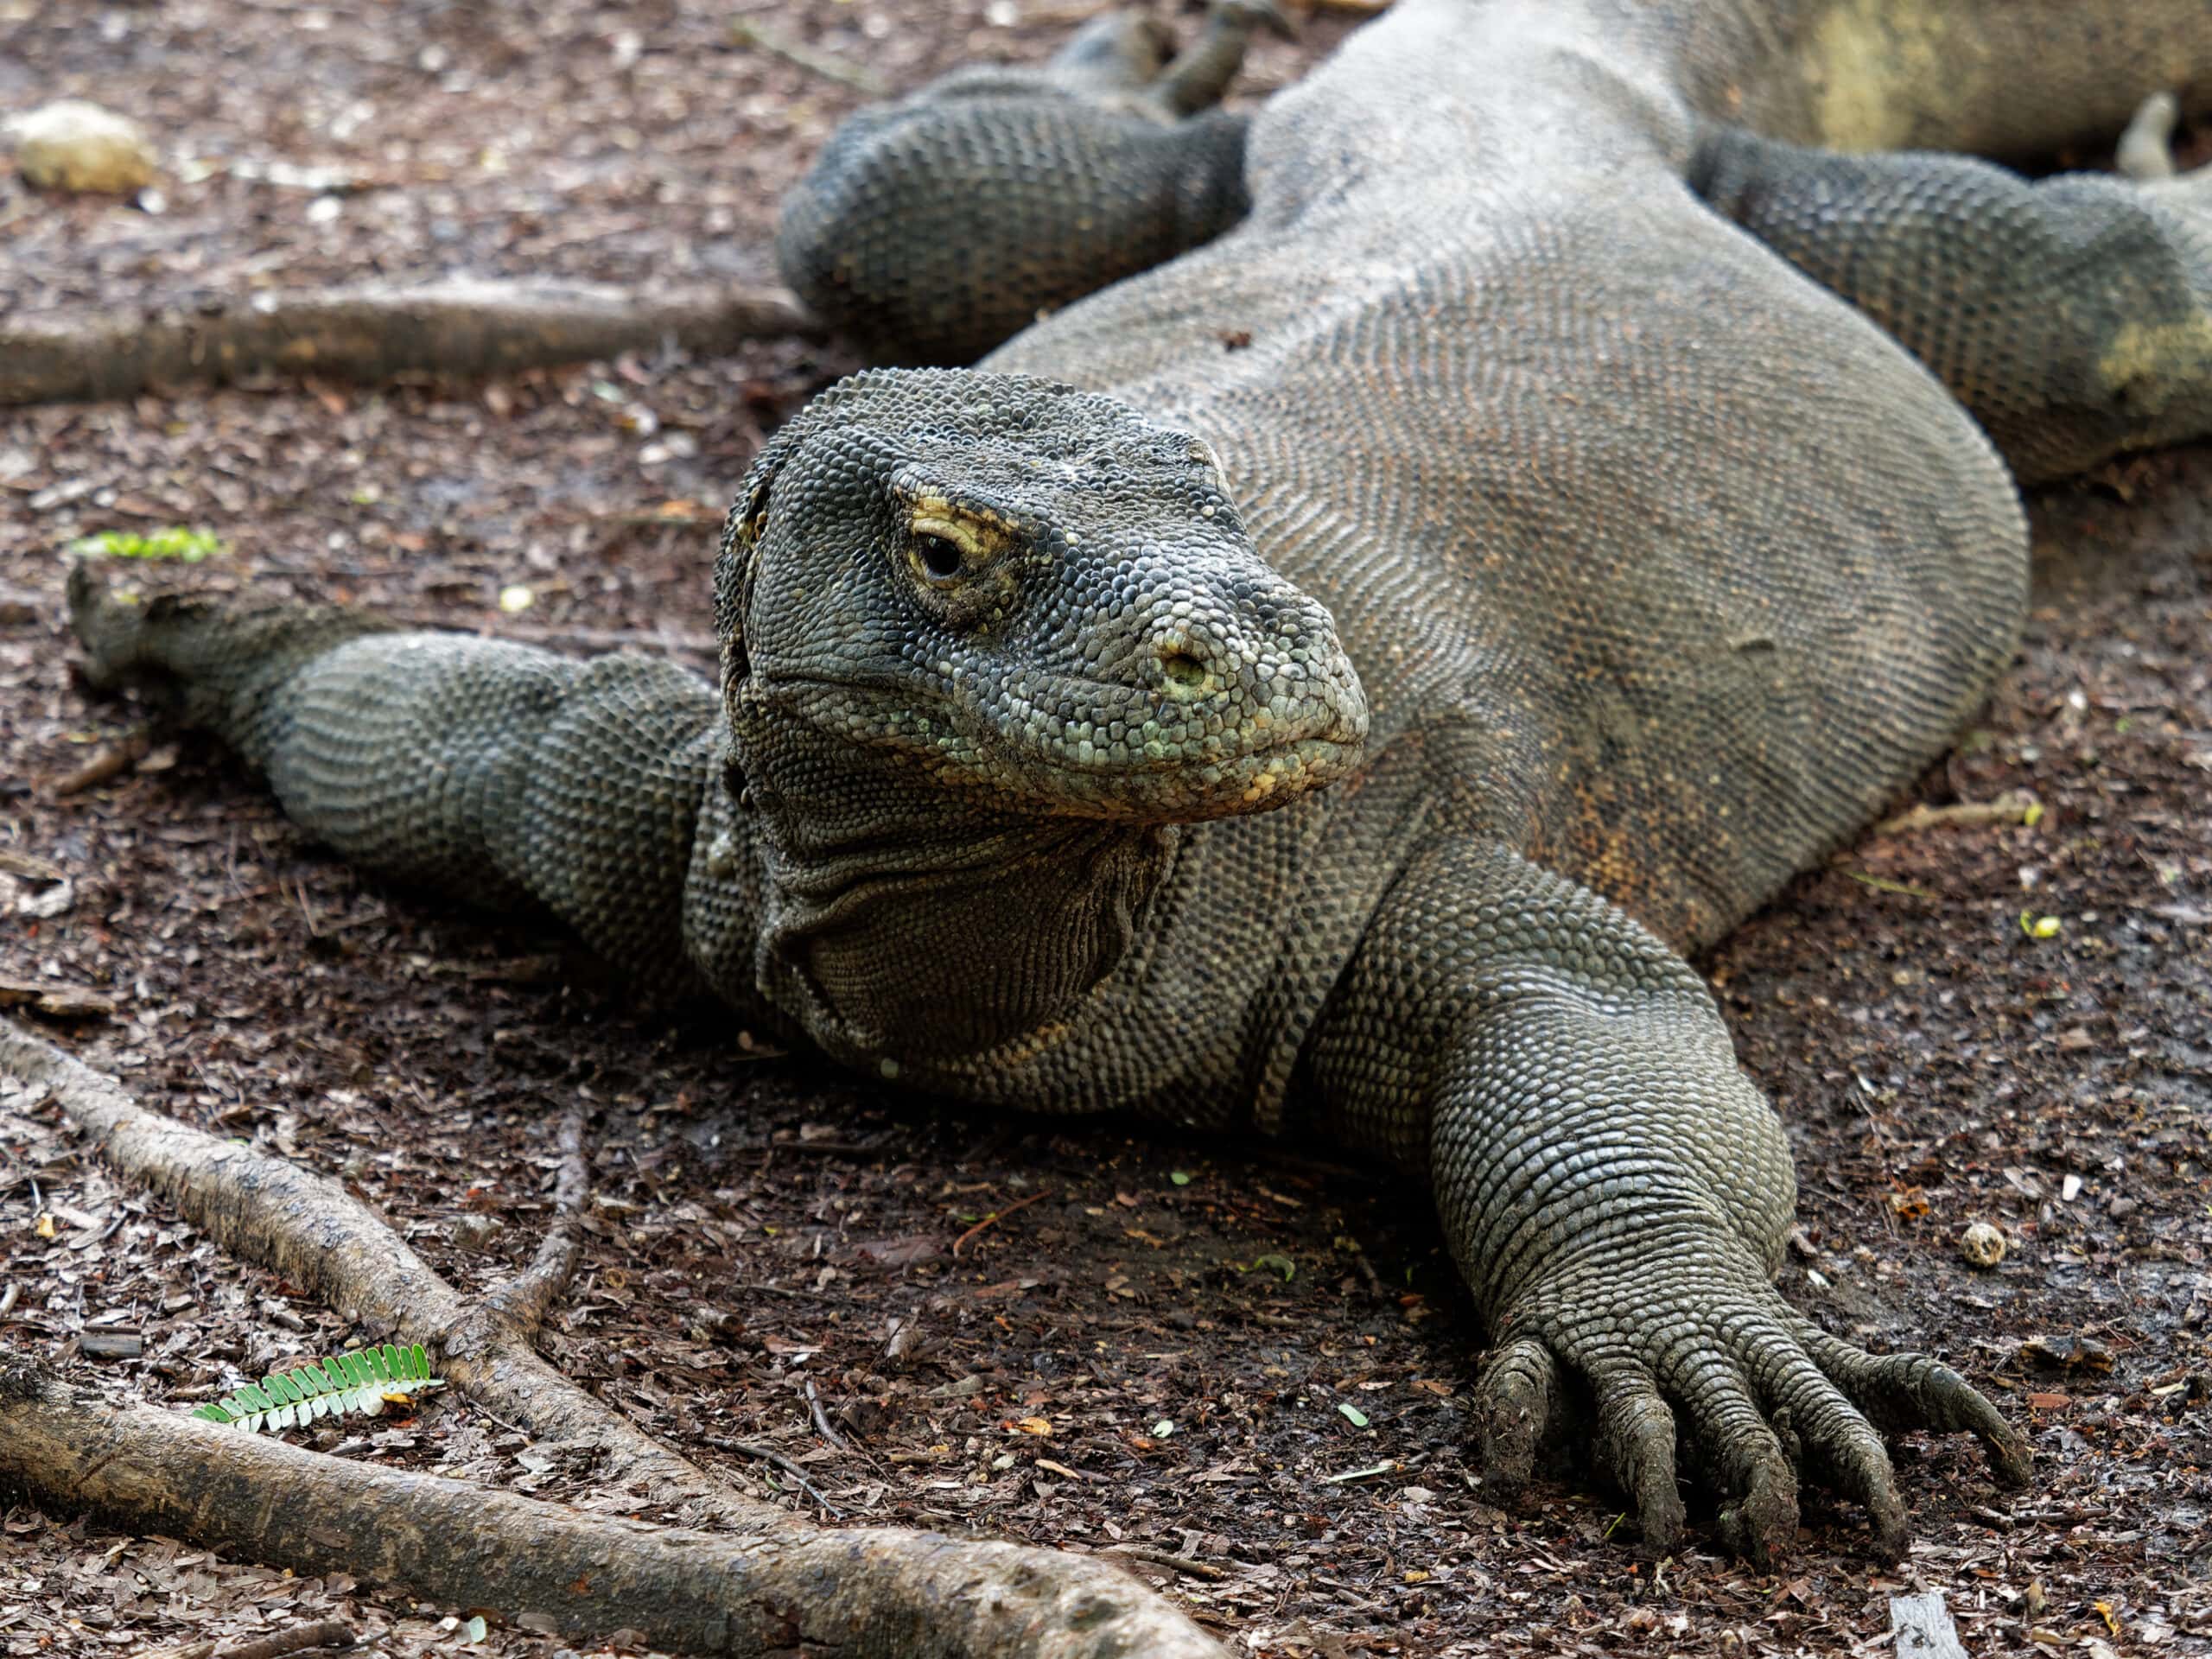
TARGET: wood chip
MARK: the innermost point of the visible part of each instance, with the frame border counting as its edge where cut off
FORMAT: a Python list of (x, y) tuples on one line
[(1923, 1627), (30, 864), (55, 999)]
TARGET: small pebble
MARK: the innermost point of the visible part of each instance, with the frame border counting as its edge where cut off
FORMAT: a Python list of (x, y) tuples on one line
[(1982, 1245), (74, 145)]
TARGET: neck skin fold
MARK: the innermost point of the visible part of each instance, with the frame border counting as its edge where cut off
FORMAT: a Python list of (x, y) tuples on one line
[(902, 922)]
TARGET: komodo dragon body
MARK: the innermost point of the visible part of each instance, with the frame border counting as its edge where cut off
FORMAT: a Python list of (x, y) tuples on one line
[(1479, 575)]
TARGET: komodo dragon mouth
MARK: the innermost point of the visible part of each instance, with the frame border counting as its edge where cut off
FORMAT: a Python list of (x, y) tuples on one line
[(1137, 767)]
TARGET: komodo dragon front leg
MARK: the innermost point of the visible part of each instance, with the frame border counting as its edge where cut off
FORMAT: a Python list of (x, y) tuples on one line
[(1616, 1193), (506, 775)]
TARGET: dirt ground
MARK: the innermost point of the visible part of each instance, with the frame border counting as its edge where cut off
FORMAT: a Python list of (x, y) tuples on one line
[(1161, 1348)]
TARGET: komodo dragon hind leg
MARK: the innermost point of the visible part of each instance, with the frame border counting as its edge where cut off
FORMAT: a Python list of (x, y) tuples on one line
[(932, 229), (2072, 316), (1200, 77)]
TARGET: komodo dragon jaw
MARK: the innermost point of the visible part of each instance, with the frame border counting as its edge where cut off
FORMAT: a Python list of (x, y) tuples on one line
[(1044, 603)]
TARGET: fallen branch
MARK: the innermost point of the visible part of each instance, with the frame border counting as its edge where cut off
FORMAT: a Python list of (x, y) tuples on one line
[(866, 1589), (461, 326), (775, 1587), (828, 65), (316, 1234)]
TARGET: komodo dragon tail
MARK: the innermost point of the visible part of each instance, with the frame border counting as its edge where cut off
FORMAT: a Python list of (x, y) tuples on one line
[(2015, 80)]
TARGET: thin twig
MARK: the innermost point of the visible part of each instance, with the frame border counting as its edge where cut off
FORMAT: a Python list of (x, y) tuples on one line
[(2014, 806), (1883, 884), (822, 1418), (769, 1454), (997, 1216), (827, 65), (112, 761), (1196, 1569)]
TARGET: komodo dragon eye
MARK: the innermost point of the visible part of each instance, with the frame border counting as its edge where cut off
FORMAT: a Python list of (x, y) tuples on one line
[(944, 546), (938, 556)]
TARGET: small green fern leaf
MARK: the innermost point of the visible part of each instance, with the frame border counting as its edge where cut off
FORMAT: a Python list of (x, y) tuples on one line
[(364, 1380)]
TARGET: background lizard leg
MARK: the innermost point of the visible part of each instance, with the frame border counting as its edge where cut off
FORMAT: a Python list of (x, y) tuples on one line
[(2073, 316), (930, 228)]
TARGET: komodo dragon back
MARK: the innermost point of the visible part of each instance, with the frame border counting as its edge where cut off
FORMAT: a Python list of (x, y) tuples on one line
[(1696, 565)]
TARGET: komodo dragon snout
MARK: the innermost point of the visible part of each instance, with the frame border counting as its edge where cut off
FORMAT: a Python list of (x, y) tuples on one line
[(1030, 592)]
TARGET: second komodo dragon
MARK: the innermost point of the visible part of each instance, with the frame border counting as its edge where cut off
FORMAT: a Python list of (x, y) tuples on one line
[(1328, 681)]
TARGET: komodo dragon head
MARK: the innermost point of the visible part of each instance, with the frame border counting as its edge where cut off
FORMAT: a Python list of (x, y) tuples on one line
[(985, 640), (1026, 595)]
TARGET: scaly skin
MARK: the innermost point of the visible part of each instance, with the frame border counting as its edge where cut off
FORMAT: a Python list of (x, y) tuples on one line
[(881, 242), (1593, 572)]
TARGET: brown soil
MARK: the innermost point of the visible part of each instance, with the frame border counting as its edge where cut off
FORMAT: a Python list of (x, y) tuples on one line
[(1159, 1350)]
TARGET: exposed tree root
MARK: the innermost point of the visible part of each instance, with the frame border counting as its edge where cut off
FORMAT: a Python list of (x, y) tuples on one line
[(853, 1593), (522, 1303), (463, 325), (317, 1234), (301, 1638), (776, 1588)]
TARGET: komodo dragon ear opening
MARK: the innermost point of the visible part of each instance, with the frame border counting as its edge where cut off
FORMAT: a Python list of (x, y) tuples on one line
[(738, 563)]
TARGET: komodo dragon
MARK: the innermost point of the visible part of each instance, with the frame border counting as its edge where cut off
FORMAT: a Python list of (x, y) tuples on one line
[(1559, 568)]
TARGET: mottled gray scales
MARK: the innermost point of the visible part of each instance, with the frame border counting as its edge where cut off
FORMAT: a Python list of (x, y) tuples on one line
[(884, 241), (1326, 680), (2072, 316)]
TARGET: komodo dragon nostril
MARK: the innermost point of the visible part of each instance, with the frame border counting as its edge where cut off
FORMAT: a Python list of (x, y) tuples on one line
[(1183, 672)]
